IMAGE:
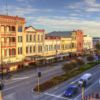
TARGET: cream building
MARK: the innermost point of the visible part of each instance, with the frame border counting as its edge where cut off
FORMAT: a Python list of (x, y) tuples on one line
[(88, 42), (52, 46), (34, 42)]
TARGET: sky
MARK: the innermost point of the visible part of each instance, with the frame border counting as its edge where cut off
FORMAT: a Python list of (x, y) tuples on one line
[(57, 15)]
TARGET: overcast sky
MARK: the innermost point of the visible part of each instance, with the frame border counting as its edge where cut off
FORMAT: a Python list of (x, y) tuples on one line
[(57, 14)]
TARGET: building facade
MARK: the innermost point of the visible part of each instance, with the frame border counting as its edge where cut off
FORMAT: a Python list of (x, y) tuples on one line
[(52, 46), (88, 43), (80, 40), (11, 32), (95, 41)]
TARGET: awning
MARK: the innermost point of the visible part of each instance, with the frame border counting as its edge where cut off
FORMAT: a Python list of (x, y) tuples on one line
[(49, 58)]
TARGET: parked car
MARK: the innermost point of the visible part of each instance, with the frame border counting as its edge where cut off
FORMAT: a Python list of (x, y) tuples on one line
[(71, 91)]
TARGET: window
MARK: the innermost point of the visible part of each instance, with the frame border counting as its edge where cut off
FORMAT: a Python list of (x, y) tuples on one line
[(39, 48), (34, 48), (30, 49), (38, 37), (30, 38), (19, 38), (13, 39), (20, 50), (13, 52), (26, 38), (34, 37), (19, 28), (26, 49)]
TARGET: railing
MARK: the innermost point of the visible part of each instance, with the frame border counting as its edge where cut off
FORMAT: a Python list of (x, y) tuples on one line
[(10, 33), (12, 44)]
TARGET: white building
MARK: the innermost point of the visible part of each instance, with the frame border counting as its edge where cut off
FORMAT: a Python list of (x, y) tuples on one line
[(88, 42)]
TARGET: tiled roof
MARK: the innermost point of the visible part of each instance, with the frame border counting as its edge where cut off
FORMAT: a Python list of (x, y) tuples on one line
[(12, 17)]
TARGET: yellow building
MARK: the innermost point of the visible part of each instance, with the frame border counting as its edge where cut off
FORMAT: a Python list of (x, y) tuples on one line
[(68, 41), (34, 43)]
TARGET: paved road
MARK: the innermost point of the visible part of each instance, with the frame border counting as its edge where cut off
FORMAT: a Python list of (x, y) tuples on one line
[(27, 80), (22, 89), (57, 92)]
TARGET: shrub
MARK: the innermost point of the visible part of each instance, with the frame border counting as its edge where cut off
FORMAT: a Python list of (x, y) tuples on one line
[(90, 58), (80, 62), (69, 66)]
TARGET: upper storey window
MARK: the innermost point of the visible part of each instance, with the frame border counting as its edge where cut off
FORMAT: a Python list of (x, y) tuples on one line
[(19, 28)]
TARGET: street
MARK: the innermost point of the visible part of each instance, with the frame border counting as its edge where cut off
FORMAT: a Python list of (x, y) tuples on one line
[(22, 88)]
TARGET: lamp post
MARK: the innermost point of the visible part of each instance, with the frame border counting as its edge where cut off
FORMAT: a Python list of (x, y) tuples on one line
[(1, 83)]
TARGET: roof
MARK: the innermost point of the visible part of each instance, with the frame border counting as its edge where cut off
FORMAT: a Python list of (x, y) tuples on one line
[(12, 17), (61, 33), (85, 76)]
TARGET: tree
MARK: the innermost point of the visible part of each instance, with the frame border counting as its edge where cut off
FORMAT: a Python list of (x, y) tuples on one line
[(97, 46)]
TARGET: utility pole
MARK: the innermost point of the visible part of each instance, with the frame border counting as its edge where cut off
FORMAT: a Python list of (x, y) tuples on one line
[(1, 83), (39, 75)]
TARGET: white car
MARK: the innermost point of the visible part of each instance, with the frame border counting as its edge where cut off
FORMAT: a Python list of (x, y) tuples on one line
[(85, 78)]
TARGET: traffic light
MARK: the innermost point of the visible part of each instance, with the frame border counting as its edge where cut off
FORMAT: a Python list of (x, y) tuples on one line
[(84, 84), (39, 74)]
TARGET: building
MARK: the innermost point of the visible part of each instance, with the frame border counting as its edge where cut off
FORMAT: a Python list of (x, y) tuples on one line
[(11, 39), (52, 48), (68, 41), (79, 39), (95, 41), (88, 43), (34, 44)]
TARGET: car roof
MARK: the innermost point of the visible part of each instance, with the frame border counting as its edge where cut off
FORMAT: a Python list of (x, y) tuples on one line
[(85, 76)]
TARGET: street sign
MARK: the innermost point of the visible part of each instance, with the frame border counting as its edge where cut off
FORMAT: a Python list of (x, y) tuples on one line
[(39, 74)]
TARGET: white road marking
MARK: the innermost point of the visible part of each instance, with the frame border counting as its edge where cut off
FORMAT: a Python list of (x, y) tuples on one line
[(20, 78), (9, 97), (56, 96)]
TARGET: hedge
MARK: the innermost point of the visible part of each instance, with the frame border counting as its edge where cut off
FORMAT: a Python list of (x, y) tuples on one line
[(59, 79)]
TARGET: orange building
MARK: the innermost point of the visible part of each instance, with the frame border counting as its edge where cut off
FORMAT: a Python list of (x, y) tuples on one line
[(11, 39), (80, 40)]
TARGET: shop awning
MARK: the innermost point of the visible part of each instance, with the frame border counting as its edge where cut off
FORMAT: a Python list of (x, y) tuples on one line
[(49, 58)]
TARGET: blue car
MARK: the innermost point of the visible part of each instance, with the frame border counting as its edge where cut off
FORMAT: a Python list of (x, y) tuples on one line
[(70, 91)]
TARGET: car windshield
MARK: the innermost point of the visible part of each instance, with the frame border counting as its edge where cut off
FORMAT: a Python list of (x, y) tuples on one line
[(70, 89)]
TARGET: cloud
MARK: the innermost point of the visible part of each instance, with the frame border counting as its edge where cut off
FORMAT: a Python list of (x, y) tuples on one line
[(86, 5), (89, 27)]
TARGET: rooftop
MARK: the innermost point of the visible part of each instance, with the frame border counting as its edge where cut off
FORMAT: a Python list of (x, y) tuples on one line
[(60, 33)]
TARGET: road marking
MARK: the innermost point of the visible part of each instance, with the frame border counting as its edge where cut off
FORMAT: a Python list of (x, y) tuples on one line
[(76, 81), (56, 96), (9, 97), (86, 90), (20, 78)]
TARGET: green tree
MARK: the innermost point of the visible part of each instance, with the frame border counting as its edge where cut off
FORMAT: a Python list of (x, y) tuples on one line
[(97, 46)]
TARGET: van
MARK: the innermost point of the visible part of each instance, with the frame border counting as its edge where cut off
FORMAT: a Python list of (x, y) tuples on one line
[(85, 79)]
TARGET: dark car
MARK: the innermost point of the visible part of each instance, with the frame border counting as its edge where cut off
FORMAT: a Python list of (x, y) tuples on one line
[(70, 91)]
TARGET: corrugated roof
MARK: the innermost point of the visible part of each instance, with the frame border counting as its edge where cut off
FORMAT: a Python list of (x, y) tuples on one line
[(60, 33)]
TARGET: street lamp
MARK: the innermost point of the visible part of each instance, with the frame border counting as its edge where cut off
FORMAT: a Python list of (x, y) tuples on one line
[(1, 83)]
